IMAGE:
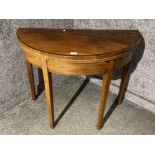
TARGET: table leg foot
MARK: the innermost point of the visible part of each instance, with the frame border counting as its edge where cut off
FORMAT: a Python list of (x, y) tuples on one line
[(51, 126), (98, 127)]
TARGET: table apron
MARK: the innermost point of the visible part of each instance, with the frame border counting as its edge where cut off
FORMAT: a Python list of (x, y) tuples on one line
[(71, 67)]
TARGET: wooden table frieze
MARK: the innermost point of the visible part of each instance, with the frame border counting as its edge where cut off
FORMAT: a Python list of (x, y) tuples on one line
[(78, 52)]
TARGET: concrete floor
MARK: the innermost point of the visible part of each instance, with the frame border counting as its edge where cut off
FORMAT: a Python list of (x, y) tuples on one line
[(31, 117)]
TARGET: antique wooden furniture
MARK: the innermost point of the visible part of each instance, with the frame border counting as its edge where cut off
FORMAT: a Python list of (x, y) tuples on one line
[(78, 52)]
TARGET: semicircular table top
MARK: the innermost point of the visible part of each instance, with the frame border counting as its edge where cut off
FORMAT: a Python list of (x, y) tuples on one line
[(82, 42)]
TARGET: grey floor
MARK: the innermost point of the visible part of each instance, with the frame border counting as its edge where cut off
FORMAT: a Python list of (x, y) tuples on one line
[(31, 117)]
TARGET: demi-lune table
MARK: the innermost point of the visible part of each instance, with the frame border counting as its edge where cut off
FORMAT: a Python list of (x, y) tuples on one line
[(78, 52)]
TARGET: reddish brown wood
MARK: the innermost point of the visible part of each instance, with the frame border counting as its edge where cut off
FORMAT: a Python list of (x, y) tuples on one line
[(31, 79), (104, 94), (124, 81), (78, 42), (48, 91)]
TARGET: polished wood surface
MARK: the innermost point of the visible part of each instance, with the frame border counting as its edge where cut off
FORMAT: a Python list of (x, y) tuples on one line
[(78, 52), (78, 42)]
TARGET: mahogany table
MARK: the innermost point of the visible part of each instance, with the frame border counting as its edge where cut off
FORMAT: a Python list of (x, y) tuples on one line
[(78, 52)]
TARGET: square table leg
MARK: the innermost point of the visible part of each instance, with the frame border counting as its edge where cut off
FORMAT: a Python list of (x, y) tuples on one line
[(31, 79), (103, 97), (124, 82), (48, 91)]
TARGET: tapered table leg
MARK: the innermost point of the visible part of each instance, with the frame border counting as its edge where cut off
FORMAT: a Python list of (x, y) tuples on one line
[(103, 97), (31, 79), (124, 82), (48, 91)]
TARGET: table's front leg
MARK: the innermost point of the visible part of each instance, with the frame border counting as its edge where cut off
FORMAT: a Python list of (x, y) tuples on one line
[(103, 96), (48, 91), (31, 78)]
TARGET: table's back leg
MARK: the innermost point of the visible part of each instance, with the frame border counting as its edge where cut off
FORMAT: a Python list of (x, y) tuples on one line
[(103, 97), (48, 91), (31, 79), (124, 82)]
